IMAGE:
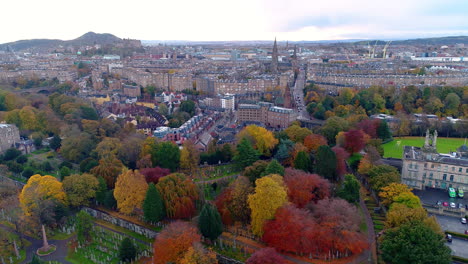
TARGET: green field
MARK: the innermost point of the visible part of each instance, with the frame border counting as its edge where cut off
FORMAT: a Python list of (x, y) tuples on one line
[(444, 145)]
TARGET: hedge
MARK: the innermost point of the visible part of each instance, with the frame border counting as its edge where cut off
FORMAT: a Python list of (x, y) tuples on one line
[(459, 235), (459, 259)]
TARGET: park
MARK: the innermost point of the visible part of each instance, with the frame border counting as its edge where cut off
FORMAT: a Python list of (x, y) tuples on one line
[(394, 148)]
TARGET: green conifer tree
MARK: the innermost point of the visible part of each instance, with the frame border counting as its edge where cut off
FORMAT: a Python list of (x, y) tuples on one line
[(210, 224), (153, 206)]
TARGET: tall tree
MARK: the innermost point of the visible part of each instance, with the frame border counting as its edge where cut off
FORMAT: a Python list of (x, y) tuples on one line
[(209, 223), (179, 194), (354, 141), (325, 163), (246, 154), (297, 133), (174, 241), (197, 254), (109, 169), (349, 190), (127, 250), (414, 243), (55, 143), (189, 157), (153, 205), (314, 141), (302, 162), (391, 191), (154, 174), (80, 189), (256, 170), (130, 190), (270, 194), (240, 189), (84, 227), (166, 155), (101, 190)]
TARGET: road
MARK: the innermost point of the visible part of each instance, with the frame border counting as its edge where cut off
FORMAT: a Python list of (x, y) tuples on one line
[(298, 96), (459, 247), (453, 224), (431, 196)]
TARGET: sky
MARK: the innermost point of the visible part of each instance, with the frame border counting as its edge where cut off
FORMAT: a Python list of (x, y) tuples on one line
[(224, 20)]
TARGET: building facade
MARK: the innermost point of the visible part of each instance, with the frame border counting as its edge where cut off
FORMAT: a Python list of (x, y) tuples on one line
[(9, 136), (425, 168), (266, 113)]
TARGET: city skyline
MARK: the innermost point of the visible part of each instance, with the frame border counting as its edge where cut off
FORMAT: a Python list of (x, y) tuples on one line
[(208, 20)]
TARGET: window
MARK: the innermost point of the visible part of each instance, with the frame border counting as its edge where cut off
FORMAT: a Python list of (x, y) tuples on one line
[(424, 175), (430, 175), (445, 168), (451, 177), (438, 167), (432, 166), (445, 177), (411, 165), (416, 166), (425, 165), (460, 169), (466, 171), (453, 168)]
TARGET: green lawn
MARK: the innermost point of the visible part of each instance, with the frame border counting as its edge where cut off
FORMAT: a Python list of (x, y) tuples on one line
[(444, 145)]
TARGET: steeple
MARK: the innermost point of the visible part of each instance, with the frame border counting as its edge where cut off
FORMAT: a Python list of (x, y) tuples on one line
[(274, 58)]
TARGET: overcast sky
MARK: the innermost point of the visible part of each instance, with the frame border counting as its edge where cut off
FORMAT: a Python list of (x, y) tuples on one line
[(233, 19)]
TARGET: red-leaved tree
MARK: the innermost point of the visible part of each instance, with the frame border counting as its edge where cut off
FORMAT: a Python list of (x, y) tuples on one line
[(266, 256), (314, 141), (369, 127), (354, 141), (304, 187), (154, 174), (341, 156), (221, 202)]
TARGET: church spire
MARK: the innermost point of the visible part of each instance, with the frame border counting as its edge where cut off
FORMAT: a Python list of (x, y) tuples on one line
[(274, 58)]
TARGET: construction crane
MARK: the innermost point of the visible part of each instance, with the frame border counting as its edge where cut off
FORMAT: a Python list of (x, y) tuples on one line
[(373, 50), (385, 49)]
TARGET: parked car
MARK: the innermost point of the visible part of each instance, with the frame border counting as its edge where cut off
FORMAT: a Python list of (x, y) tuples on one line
[(449, 238), (439, 203), (466, 232), (463, 220), (453, 205), (445, 204), (460, 192), (461, 206), (452, 192)]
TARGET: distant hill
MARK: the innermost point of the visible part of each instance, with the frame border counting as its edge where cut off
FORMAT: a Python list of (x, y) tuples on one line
[(89, 38), (420, 41)]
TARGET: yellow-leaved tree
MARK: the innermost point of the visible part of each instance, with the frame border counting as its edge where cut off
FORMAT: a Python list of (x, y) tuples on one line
[(189, 157), (391, 191), (130, 191), (270, 194), (38, 199), (198, 255), (263, 140)]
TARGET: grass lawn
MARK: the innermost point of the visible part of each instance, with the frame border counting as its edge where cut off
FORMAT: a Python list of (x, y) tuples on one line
[(444, 145)]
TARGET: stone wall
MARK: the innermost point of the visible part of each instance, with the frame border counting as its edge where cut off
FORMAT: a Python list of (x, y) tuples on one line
[(225, 260), (120, 222)]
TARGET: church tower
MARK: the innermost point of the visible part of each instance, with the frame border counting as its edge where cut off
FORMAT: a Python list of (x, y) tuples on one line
[(274, 59)]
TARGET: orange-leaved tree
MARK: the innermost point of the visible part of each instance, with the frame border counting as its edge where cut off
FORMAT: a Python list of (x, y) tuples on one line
[(173, 242), (179, 194)]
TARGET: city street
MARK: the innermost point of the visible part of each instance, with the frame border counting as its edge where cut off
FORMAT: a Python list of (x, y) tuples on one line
[(298, 96), (448, 223), (431, 196), (459, 247)]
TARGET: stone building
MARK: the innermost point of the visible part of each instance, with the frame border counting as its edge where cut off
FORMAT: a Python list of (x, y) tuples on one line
[(266, 113), (9, 136), (426, 168)]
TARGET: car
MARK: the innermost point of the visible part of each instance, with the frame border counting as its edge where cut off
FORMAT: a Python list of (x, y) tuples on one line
[(463, 220), (466, 232), (453, 205), (452, 192), (460, 192), (461, 206), (439, 203), (445, 204), (449, 238)]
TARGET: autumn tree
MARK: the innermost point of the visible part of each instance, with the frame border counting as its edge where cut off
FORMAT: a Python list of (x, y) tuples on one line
[(238, 206), (154, 174), (80, 189), (400, 214), (189, 157), (262, 140), (354, 141), (408, 199), (332, 127), (325, 163), (174, 241), (349, 189), (270, 194), (37, 197), (389, 192), (55, 143), (414, 243), (246, 155), (130, 191), (209, 222), (108, 148), (382, 175), (153, 205), (313, 141), (221, 202), (297, 133), (266, 256), (179, 194), (101, 190), (341, 157), (109, 169), (197, 254), (304, 187)]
